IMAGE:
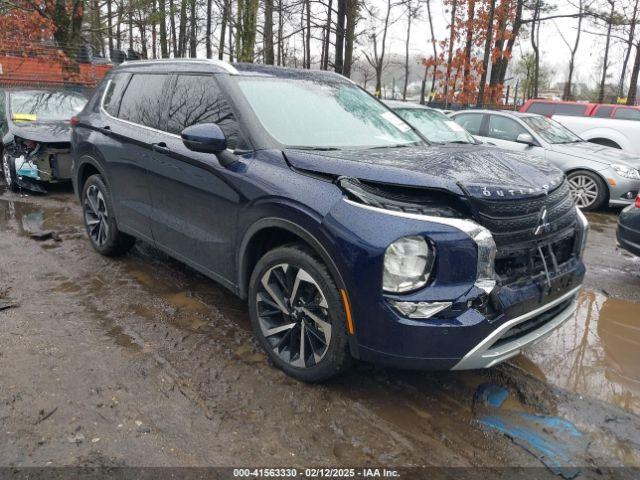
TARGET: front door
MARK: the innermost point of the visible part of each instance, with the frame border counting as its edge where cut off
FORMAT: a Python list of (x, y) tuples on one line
[(194, 205)]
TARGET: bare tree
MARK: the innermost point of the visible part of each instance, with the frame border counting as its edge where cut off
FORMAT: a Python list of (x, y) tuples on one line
[(487, 52), (378, 40)]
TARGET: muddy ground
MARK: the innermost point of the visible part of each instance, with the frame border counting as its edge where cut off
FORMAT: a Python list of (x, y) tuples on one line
[(140, 361)]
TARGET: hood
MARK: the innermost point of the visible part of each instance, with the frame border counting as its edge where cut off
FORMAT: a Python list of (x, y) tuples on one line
[(481, 171), (597, 153), (44, 132)]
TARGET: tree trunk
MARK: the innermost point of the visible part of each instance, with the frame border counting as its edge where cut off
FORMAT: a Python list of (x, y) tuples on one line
[(406, 53), (566, 95), (452, 26), (340, 21), (267, 35), (467, 48), (193, 24), (154, 37), (110, 27), (208, 31), (350, 36), (327, 38), (535, 29), (164, 53), (633, 84), (280, 30), (605, 65), (223, 28), (625, 63), (308, 33), (172, 21), (182, 33), (249, 20), (487, 53), (517, 24)]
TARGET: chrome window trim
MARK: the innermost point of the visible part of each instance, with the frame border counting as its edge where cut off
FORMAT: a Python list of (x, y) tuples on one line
[(468, 227), (218, 63), (104, 112)]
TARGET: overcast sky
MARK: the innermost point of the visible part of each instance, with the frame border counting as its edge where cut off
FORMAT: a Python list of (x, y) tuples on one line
[(554, 52)]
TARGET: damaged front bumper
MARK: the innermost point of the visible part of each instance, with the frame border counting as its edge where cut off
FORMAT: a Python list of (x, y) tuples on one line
[(46, 163)]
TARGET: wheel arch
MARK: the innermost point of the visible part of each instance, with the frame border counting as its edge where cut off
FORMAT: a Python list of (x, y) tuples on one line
[(269, 233), (607, 135), (86, 166)]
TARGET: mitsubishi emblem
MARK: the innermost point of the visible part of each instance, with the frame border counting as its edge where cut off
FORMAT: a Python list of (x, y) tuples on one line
[(543, 222)]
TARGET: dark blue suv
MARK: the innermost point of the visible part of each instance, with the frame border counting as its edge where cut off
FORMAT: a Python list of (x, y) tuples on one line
[(350, 234)]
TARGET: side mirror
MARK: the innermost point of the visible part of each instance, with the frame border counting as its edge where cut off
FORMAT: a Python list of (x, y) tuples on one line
[(526, 139), (204, 137)]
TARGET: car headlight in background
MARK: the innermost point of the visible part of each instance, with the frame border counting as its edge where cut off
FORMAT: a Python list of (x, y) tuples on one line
[(407, 264), (626, 172)]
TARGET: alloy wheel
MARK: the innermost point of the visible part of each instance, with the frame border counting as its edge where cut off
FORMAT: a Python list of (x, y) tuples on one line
[(293, 315), (584, 190), (96, 215)]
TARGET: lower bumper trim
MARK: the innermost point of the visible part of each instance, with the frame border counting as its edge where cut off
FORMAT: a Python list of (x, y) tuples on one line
[(483, 356)]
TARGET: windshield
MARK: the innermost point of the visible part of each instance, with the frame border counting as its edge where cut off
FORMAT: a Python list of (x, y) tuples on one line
[(435, 126), (44, 106), (324, 115), (550, 130)]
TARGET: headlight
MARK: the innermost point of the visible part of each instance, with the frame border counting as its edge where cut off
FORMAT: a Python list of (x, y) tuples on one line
[(626, 172), (407, 264)]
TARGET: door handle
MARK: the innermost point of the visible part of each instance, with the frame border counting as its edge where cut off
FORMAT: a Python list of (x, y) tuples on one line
[(105, 130), (160, 148)]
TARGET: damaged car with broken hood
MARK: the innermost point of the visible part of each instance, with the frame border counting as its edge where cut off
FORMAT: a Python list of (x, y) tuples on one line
[(36, 136), (347, 232)]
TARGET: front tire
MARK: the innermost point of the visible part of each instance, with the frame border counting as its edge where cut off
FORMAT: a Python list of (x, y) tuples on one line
[(588, 190), (9, 171), (100, 221), (297, 314)]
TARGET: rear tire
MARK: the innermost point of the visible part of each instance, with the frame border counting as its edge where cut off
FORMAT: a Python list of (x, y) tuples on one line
[(298, 315), (100, 221), (588, 190), (9, 171)]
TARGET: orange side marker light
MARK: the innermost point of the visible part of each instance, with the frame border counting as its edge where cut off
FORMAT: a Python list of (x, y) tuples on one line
[(347, 309)]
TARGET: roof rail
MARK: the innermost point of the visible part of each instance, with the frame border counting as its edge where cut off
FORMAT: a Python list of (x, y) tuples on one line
[(218, 63)]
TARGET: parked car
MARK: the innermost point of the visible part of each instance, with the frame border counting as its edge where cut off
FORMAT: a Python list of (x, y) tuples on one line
[(36, 136), (597, 175), (620, 134), (434, 125), (629, 228), (348, 233), (548, 108)]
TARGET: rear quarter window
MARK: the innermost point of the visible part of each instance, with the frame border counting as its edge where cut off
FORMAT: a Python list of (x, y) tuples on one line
[(113, 93)]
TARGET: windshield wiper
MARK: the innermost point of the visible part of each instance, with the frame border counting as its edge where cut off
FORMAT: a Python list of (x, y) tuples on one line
[(315, 149), (399, 145)]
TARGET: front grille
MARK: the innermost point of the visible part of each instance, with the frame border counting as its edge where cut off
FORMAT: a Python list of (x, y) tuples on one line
[(522, 329), (521, 253), (514, 221)]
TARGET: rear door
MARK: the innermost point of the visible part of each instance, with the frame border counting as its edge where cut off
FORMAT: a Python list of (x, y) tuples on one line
[(134, 113), (194, 205)]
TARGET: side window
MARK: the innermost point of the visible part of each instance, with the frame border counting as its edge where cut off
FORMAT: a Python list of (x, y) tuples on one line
[(603, 112), (571, 110), (113, 95), (503, 128), (143, 100), (470, 121), (541, 108), (627, 113), (198, 99)]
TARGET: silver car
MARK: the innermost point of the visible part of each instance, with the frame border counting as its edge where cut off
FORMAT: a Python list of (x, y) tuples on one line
[(598, 175)]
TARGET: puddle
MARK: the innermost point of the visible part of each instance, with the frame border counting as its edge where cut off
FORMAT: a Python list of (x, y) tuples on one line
[(25, 218), (596, 353), (601, 222)]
